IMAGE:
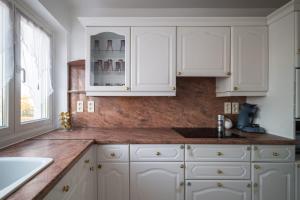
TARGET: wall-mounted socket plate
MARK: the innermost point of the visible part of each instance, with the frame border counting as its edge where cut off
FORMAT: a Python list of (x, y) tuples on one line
[(235, 108), (79, 106), (91, 106), (227, 108)]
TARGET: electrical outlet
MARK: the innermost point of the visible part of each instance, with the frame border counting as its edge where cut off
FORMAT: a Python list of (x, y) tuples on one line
[(79, 107), (227, 108), (235, 107), (91, 106)]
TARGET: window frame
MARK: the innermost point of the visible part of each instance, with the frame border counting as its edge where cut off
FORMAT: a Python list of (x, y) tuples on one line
[(40, 125)]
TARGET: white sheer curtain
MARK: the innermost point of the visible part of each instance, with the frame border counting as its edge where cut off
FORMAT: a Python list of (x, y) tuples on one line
[(6, 43)]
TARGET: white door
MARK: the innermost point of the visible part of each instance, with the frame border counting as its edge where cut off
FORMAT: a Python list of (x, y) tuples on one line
[(156, 181), (250, 59), (273, 181), (113, 181), (203, 51), (218, 190), (153, 59)]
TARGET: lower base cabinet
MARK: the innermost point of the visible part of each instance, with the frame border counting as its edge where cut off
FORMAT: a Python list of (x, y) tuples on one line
[(218, 190), (273, 181), (157, 181), (113, 181), (80, 182), (298, 181)]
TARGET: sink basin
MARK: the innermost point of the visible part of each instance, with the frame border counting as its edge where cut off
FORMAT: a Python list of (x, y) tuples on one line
[(15, 171)]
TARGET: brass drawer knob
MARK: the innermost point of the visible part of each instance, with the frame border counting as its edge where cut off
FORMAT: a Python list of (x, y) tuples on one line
[(249, 185), (255, 185), (235, 88), (86, 161), (228, 73), (158, 153), (220, 154), (112, 154), (248, 148), (66, 188), (182, 146), (127, 88), (220, 171), (174, 88), (220, 185), (99, 166), (182, 166), (181, 183), (188, 146), (257, 167), (298, 165), (255, 148), (275, 154), (189, 183), (179, 73)]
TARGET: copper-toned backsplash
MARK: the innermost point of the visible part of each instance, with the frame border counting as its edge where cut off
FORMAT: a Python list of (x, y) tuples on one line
[(195, 105)]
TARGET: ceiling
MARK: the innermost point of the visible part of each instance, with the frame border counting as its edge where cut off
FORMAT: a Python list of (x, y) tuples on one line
[(77, 4)]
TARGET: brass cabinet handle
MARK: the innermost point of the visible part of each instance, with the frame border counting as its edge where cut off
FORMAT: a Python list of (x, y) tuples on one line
[(298, 165), (189, 183), (275, 154), (228, 73), (188, 146), (220, 185), (257, 167), (248, 148), (66, 188), (220, 171), (174, 88), (99, 166), (127, 88), (158, 153), (249, 185), (220, 154), (112, 154), (86, 161), (235, 88), (255, 148), (182, 166), (182, 146), (255, 185), (181, 183), (179, 73)]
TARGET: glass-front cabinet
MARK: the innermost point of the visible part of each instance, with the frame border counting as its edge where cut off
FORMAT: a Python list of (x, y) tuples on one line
[(107, 63)]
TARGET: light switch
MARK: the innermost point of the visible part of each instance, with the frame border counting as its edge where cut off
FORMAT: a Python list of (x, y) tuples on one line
[(91, 106), (227, 108), (79, 107), (235, 108)]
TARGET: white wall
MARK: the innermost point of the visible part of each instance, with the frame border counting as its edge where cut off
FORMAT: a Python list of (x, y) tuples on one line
[(277, 108)]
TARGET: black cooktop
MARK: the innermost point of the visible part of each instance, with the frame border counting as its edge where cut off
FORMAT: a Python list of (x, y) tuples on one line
[(205, 133)]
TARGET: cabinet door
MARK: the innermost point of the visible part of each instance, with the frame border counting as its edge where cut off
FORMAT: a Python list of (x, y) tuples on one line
[(113, 181), (107, 59), (218, 190), (298, 181), (203, 51), (273, 181), (156, 181), (153, 59), (249, 59)]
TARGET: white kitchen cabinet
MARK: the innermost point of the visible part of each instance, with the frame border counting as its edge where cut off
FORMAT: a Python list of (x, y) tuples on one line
[(273, 181), (218, 190), (80, 182), (153, 59), (249, 63), (107, 60), (297, 38), (113, 181), (203, 51), (273, 153), (156, 181), (298, 180)]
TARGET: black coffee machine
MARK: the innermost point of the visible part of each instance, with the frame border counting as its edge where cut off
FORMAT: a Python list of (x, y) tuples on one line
[(246, 119)]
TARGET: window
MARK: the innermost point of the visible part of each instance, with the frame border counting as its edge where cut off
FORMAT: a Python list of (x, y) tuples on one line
[(35, 48), (6, 61)]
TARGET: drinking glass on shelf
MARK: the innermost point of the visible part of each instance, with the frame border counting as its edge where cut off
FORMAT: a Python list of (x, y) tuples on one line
[(109, 46), (106, 66), (110, 65), (96, 44), (100, 63), (122, 48), (118, 66)]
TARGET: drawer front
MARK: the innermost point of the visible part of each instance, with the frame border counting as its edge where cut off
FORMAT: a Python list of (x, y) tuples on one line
[(273, 153), (218, 153), (218, 190), (158, 153), (217, 171), (113, 153)]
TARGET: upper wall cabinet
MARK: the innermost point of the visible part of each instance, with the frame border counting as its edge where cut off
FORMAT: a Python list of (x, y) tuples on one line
[(249, 63), (107, 59), (203, 51), (153, 59)]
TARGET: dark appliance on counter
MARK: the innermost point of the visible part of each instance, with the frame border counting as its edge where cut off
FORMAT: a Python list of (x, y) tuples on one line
[(298, 137), (205, 133), (246, 119)]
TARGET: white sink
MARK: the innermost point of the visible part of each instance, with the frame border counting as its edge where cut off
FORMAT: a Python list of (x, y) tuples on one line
[(15, 171)]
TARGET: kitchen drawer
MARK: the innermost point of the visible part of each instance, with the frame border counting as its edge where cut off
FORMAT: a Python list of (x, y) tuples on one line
[(273, 153), (149, 152), (218, 153), (218, 190), (113, 153), (215, 171)]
